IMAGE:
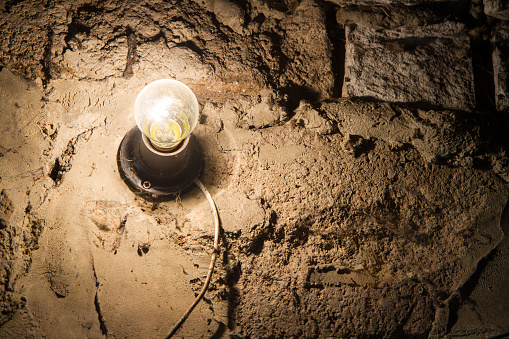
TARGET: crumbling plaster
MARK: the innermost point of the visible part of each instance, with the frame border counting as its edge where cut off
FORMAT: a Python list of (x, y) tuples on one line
[(356, 201)]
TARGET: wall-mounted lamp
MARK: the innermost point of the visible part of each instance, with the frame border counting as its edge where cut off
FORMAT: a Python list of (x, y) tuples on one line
[(160, 157)]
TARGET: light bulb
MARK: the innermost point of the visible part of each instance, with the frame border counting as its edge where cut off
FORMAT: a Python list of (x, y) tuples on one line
[(159, 158), (166, 111)]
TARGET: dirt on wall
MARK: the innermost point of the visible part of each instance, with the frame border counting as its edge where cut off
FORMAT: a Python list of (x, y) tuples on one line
[(341, 217)]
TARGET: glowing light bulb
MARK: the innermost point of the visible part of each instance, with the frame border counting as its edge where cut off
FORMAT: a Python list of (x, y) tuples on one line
[(166, 111), (159, 157)]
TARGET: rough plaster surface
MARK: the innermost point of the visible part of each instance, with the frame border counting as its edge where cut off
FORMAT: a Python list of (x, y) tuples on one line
[(340, 217), (480, 315)]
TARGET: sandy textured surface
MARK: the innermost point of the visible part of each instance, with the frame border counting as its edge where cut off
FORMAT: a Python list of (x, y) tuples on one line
[(341, 217)]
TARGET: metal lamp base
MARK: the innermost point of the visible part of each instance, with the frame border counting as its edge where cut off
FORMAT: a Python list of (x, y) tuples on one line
[(156, 175)]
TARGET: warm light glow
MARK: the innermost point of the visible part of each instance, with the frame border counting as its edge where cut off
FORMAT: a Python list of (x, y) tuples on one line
[(166, 111)]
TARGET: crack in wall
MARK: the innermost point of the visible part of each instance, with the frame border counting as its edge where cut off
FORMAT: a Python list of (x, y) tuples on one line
[(337, 40), (46, 60), (63, 163), (100, 317), (484, 86), (131, 53), (60, 167)]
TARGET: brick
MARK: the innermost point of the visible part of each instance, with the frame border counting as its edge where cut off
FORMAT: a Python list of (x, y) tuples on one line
[(500, 58), (429, 67)]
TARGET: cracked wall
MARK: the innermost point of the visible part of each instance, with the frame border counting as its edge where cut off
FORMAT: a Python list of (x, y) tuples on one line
[(341, 217)]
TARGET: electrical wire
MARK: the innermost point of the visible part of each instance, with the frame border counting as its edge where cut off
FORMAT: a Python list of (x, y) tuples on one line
[(213, 258)]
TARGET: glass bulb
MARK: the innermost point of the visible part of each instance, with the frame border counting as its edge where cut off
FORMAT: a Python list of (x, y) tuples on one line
[(166, 111)]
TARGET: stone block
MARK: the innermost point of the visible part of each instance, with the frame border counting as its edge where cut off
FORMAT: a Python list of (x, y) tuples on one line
[(497, 8), (501, 69), (428, 67)]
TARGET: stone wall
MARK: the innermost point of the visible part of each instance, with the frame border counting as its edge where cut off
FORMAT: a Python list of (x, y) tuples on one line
[(357, 152)]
